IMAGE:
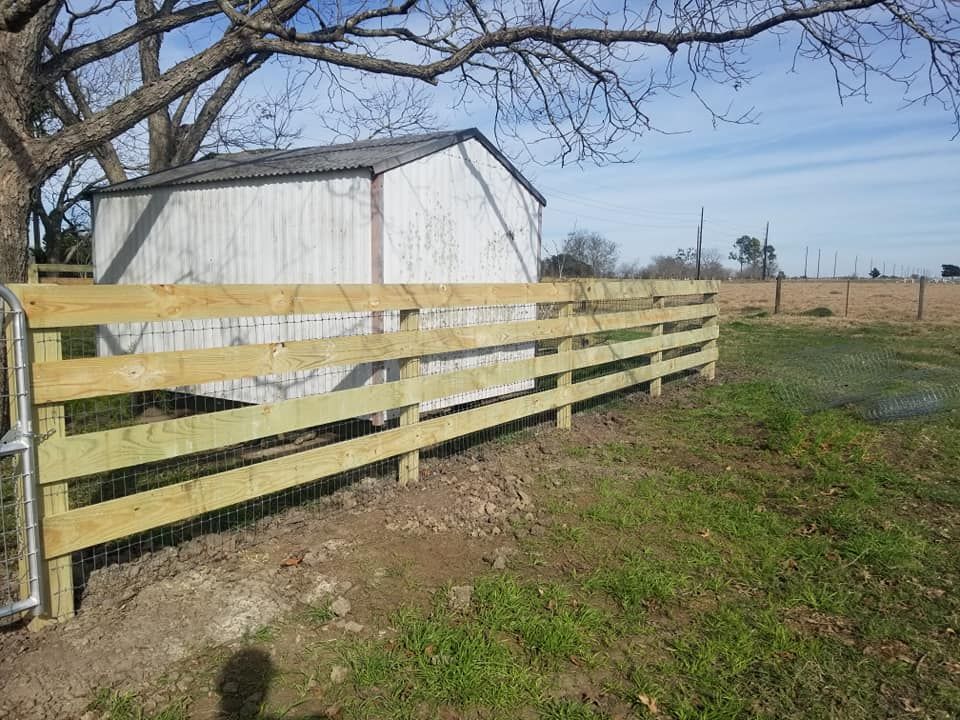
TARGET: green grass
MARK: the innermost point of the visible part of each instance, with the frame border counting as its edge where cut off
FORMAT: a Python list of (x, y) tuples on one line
[(113, 705), (319, 615)]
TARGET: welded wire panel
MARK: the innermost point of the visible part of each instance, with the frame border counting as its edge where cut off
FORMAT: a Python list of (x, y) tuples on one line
[(15, 568), (247, 431)]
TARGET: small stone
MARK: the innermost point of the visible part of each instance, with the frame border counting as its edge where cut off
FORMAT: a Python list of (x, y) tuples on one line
[(500, 563), (490, 509), (339, 673), (351, 626), (474, 468), (340, 606), (460, 597), (347, 500), (538, 530)]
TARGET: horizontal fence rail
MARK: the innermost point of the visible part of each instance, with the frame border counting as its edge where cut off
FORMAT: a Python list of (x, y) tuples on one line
[(575, 341)]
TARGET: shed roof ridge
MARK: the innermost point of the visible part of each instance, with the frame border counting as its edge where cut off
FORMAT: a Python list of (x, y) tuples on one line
[(374, 154)]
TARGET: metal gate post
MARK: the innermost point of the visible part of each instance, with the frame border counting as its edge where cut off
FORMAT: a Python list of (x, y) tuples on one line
[(20, 440)]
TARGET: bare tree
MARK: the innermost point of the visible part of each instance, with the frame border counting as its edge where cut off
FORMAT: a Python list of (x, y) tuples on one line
[(575, 73), (681, 265), (597, 255)]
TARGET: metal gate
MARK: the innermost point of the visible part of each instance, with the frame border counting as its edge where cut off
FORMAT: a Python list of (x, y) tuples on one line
[(19, 512)]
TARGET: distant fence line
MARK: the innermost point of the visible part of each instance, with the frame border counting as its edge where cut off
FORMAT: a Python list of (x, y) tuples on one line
[(862, 299), (109, 473)]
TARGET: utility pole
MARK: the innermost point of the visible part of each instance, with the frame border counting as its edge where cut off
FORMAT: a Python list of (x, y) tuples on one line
[(699, 241), (835, 252), (806, 256), (818, 263), (855, 258), (884, 271), (766, 234)]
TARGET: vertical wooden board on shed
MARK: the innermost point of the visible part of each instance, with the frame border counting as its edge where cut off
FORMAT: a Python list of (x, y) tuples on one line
[(54, 499), (408, 465), (565, 346), (656, 385), (709, 371)]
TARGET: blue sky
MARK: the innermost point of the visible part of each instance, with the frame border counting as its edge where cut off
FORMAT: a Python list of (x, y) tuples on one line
[(873, 180)]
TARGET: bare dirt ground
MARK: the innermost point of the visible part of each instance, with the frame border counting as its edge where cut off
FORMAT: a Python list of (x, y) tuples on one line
[(879, 300), (143, 624)]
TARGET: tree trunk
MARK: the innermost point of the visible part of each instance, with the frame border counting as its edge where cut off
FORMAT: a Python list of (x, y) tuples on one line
[(14, 211)]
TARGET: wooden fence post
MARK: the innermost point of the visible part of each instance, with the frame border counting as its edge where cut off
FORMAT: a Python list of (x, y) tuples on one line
[(923, 288), (565, 412), (408, 466), (846, 305), (776, 297), (656, 386), (709, 371), (54, 498)]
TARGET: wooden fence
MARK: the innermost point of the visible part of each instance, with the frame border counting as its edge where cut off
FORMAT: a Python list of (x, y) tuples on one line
[(681, 330), (60, 274)]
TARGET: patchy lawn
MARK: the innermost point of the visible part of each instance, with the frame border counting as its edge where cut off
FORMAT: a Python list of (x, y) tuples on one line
[(729, 551)]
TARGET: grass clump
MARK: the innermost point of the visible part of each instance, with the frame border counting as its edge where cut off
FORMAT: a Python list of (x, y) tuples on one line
[(113, 705), (546, 620)]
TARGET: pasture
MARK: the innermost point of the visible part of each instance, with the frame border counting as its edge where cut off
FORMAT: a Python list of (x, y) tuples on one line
[(870, 300)]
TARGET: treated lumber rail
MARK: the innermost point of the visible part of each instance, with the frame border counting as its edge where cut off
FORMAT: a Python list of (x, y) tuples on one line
[(113, 519), (90, 453), (49, 306), (97, 377)]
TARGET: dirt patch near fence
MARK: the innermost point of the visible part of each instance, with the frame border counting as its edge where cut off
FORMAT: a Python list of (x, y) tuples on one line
[(374, 544)]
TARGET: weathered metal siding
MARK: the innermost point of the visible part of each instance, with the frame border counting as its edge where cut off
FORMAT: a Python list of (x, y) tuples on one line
[(460, 216), (274, 230)]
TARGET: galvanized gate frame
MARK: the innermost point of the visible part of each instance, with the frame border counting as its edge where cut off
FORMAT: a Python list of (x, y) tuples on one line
[(20, 440)]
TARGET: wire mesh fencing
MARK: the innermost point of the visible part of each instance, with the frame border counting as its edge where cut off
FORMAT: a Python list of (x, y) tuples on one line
[(878, 385), (210, 443)]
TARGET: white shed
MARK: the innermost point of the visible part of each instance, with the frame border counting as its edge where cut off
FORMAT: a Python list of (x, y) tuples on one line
[(442, 207)]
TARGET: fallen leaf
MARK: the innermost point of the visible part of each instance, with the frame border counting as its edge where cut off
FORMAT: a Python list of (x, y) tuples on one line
[(649, 703), (294, 559), (333, 711), (704, 533), (909, 707), (429, 650)]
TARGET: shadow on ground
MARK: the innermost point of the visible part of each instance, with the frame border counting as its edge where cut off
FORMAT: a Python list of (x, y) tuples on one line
[(244, 682)]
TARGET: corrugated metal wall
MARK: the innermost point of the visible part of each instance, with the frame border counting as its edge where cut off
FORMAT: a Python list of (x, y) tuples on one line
[(270, 230), (455, 216), (460, 216)]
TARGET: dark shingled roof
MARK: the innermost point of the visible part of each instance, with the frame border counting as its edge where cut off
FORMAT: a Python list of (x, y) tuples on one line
[(377, 156)]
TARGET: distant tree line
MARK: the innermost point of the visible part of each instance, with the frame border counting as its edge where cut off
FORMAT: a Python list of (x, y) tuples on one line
[(584, 253)]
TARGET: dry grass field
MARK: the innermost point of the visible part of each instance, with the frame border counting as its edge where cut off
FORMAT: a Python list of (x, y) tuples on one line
[(869, 299)]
